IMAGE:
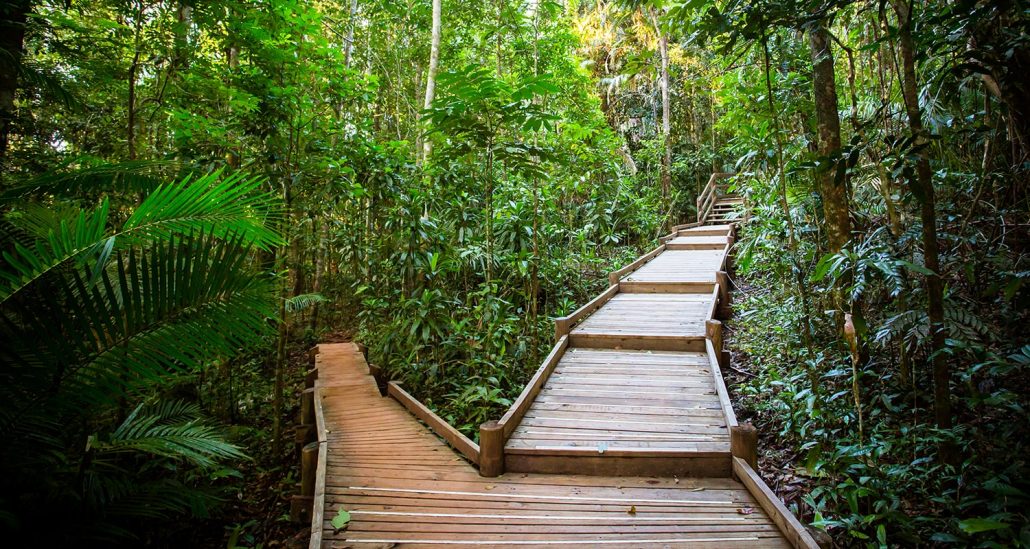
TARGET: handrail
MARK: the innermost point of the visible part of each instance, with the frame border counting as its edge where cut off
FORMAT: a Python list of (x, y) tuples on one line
[(615, 276), (706, 200), (318, 503), (789, 525), (437, 424), (563, 325), (518, 409)]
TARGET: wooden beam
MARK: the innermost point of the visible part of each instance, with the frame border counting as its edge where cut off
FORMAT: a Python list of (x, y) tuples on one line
[(518, 409), (318, 500), (788, 524), (444, 430), (720, 386), (491, 457)]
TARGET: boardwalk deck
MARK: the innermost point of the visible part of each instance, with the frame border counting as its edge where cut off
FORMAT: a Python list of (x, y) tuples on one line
[(404, 486), (624, 437)]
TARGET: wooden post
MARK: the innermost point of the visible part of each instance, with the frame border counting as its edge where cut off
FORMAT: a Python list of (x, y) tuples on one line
[(713, 331), (381, 382), (561, 327), (491, 449), (308, 468), (303, 435), (744, 443), (723, 280), (301, 504), (307, 407), (310, 377), (363, 349)]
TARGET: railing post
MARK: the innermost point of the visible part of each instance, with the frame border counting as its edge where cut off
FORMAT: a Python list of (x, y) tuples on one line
[(713, 331), (301, 504), (723, 280), (491, 449), (744, 443)]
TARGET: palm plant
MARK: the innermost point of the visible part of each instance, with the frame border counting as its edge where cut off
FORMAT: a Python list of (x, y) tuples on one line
[(98, 305)]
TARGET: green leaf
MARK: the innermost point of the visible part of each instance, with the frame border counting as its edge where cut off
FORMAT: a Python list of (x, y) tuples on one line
[(976, 525), (341, 520)]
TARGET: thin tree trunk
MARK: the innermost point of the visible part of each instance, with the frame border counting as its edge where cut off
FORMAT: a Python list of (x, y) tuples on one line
[(434, 61), (348, 48), (13, 16), (832, 189), (922, 188), (663, 51)]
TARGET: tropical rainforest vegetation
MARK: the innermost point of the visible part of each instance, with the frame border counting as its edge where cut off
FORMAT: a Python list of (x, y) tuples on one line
[(193, 192)]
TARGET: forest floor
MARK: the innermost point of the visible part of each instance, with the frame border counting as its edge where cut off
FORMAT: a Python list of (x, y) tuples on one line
[(777, 460), (257, 516)]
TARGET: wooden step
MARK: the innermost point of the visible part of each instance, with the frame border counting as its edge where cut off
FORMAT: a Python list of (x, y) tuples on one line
[(697, 242), (668, 322)]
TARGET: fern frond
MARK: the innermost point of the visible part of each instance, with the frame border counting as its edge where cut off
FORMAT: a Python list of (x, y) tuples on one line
[(304, 301), (150, 432)]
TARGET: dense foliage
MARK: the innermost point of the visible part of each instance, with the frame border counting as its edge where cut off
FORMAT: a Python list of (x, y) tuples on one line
[(191, 190)]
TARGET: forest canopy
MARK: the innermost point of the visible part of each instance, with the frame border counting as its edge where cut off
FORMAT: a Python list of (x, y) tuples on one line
[(194, 192)]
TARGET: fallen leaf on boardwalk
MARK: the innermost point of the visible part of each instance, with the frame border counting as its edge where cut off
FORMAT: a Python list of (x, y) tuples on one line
[(340, 521), (745, 510), (701, 489), (489, 487), (632, 510), (676, 480)]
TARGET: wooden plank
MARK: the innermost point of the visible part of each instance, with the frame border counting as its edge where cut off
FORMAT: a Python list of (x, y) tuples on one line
[(513, 416), (684, 465), (789, 525), (444, 430)]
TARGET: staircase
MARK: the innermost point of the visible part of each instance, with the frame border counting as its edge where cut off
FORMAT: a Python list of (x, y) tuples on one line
[(716, 205)]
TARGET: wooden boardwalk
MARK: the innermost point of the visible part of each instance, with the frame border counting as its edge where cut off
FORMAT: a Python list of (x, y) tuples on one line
[(402, 485), (624, 436)]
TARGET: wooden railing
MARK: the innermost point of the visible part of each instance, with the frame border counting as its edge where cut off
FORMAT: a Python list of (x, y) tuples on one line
[(711, 193)]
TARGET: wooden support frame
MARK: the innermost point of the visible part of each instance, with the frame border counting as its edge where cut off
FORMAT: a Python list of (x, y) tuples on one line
[(441, 428), (788, 524), (518, 409), (563, 325)]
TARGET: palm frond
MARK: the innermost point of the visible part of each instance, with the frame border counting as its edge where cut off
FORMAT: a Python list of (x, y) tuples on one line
[(223, 207), (171, 308), (84, 175), (173, 430), (220, 206)]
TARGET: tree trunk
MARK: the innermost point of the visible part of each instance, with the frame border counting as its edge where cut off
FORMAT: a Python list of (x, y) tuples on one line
[(348, 48), (434, 60), (663, 51), (831, 185), (13, 15), (922, 187)]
